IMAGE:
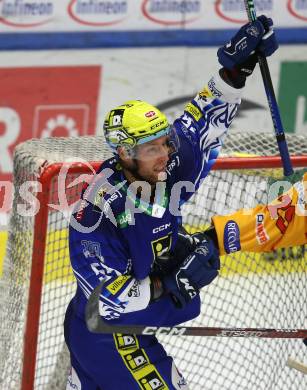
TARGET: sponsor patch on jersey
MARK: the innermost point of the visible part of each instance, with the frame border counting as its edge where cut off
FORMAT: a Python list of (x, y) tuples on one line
[(205, 93), (91, 249), (152, 381), (162, 245), (124, 219), (138, 363), (136, 360), (213, 88), (134, 290), (261, 234), (194, 111), (118, 283), (102, 191), (102, 204), (232, 237), (126, 342)]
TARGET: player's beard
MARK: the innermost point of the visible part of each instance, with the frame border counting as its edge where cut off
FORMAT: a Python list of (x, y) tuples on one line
[(134, 172)]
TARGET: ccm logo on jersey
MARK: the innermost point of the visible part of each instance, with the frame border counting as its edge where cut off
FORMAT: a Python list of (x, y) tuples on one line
[(161, 228), (261, 234)]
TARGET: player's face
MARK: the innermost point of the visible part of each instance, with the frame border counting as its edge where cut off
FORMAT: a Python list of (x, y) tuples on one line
[(152, 159)]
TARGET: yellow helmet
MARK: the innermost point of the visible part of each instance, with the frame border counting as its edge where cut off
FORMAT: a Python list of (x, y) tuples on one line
[(134, 123)]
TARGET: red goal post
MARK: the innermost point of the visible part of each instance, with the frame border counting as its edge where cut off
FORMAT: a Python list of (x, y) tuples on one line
[(49, 174)]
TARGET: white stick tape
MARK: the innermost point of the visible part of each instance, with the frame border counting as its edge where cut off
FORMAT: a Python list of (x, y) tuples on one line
[(292, 363)]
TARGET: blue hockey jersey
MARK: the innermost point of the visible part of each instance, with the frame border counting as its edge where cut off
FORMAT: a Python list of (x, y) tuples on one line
[(116, 237)]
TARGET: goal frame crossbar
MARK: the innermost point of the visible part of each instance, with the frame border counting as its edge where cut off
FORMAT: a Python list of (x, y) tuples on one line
[(47, 173)]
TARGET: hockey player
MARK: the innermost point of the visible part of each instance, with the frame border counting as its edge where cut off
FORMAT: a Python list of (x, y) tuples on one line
[(127, 228), (280, 224)]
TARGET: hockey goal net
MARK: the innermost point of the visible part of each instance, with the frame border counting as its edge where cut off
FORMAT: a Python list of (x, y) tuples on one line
[(260, 291)]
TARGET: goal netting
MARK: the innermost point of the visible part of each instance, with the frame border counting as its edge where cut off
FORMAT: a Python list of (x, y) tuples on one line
[(253, 290)]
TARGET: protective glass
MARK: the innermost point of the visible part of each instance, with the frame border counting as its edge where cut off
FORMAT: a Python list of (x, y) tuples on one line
[(160, 147)]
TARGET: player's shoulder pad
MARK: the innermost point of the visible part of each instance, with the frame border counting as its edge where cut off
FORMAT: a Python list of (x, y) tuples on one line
[(105, 194), (109, 190)]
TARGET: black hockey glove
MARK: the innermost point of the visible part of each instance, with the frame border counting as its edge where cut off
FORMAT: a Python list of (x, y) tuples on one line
[(238, 56), (185, 244), (166, 264), (199, 269)]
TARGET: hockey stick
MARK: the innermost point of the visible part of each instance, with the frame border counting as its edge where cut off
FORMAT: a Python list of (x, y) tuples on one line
[(269, 89), (96, 324)]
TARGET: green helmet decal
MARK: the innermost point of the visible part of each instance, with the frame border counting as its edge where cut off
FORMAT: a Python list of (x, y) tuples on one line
[(134, 123)]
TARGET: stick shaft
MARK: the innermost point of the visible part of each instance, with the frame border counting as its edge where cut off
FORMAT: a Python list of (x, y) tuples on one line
[(269, 90), (96, 324)]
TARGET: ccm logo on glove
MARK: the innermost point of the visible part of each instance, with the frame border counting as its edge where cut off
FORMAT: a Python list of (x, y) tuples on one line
[(199, 269)]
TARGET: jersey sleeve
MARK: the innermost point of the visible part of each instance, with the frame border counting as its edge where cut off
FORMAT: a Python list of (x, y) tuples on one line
[(280, 224), (98, 253), (202, 128)]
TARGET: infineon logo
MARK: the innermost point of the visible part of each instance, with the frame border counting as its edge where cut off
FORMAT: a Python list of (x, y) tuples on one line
[(172, 13), (28, 13), (234, 10), (97, 12), (298, 8)]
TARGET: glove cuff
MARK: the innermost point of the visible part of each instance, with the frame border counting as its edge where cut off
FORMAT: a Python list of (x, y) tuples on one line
[(233, 77), (224, 91)]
